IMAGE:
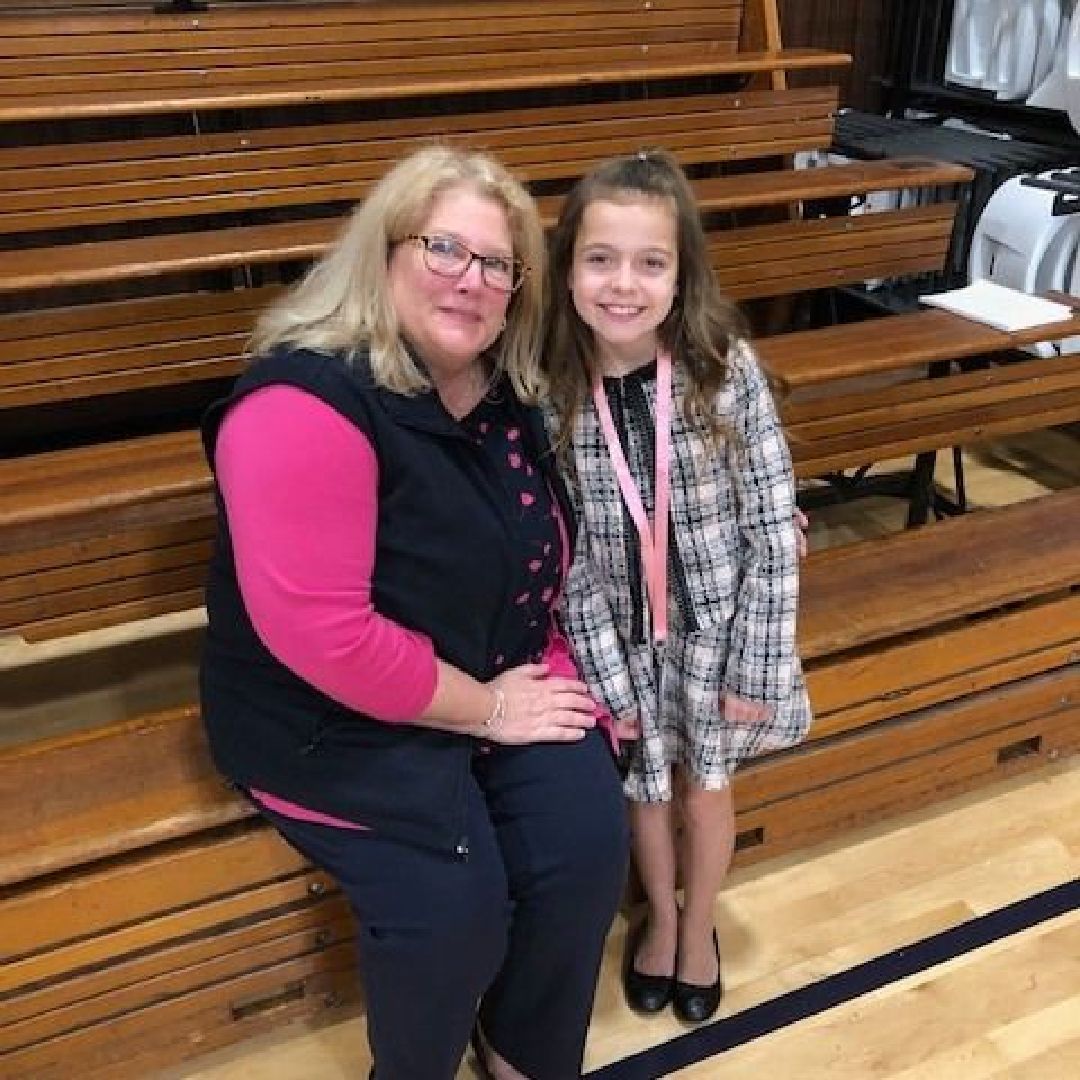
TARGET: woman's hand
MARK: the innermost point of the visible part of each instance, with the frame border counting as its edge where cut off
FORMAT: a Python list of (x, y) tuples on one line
[(541, 708)]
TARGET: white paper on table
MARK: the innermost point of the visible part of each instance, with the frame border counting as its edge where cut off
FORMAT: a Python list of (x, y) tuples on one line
[(999, 306)]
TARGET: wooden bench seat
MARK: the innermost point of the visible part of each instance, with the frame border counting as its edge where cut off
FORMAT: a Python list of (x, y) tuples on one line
[(139, 258), (94, 350), (808, 359), (955, 665), (77, 491), (68, 186), (115, 64), (148, 176), (94, 794), (764, 260), (835, 421), (952, 571), (754, 261), (925, 414), (772, 188), (919, 759), (97, 535)]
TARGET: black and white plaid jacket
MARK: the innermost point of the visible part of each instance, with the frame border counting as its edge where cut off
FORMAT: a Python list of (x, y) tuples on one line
[(733, 555)]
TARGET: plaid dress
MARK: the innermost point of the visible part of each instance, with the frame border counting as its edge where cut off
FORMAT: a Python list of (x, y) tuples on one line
[(732, 581)]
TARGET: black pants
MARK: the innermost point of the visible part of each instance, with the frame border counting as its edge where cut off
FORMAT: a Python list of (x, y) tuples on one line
[(517, 928)]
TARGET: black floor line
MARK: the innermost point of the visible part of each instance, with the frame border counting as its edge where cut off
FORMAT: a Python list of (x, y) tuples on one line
[(844, 986)]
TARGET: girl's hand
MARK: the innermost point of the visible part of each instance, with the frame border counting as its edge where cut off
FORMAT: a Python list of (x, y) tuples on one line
[(802, 524), (742, 713), (541, 708), (628, 727)]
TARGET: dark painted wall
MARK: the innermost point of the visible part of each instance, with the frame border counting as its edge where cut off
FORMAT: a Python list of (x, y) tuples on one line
[(853, 26)]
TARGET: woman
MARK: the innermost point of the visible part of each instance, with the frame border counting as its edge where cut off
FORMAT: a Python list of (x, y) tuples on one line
[(383, 674)]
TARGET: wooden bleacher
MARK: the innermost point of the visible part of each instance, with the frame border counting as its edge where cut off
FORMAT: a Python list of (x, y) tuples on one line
[(144, 896), (122, 345), (168, 340), (163, 510), (240, 57), (937, 659), (163, 178)]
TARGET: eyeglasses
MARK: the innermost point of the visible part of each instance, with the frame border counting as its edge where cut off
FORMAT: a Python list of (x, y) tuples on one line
[(447, 257)]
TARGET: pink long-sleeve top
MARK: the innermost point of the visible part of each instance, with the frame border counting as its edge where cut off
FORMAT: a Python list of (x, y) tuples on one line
[(302, 510)]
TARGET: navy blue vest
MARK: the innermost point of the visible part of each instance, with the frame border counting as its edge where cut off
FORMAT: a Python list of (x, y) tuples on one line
[(443, 566)]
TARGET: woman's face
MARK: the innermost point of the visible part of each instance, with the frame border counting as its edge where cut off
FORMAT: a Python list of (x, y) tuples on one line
[(623, 277), (450, 320)]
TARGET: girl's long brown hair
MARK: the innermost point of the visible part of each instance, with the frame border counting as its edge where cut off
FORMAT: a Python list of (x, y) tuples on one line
[(702, 322)]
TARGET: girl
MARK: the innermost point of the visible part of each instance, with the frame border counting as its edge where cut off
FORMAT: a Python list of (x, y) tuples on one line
[(682, 597)]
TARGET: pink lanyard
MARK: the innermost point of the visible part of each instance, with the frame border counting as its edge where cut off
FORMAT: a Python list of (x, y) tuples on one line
[(654, 540)]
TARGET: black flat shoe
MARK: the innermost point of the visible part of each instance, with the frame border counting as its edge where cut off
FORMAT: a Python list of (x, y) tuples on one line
[(696, 1004), (645, 993)]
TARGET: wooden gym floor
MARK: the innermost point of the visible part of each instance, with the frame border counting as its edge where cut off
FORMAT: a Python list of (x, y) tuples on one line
[(1004, 1006)]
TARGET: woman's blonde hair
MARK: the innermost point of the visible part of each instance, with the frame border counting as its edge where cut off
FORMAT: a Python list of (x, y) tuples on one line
[(702, 324), (343, 302)]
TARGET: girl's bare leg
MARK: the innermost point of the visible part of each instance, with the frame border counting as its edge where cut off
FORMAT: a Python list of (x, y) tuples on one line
[(653, 845), (708, 844)]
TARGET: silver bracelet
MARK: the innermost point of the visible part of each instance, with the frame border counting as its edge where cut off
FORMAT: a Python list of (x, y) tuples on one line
[(498, 712)]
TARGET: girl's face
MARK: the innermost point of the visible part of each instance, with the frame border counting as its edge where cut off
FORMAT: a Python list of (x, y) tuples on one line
[(623, 277)]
